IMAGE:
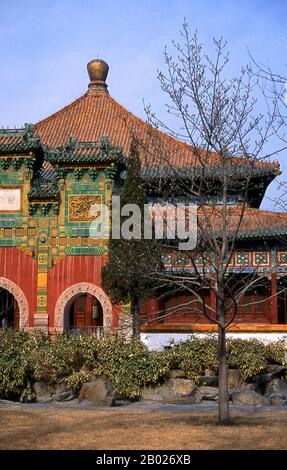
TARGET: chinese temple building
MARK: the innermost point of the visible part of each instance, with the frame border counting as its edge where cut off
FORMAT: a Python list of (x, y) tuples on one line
[(53, 172)]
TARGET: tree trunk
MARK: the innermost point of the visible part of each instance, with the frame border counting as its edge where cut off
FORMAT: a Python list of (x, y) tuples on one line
[(223, 399), (135, 318)]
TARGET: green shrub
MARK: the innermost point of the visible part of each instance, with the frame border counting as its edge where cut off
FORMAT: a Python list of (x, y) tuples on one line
[(248, 355), (77, 379), (129, 365), (195, 355), (276, 352), (16, 373), (29, 357), (64, 355)]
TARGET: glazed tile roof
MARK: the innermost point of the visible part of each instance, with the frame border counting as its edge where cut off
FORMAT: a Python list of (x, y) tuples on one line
[(255, 222), (97, 114), (11, 137), (13, 140), (74, 151), (43, 188), (48, 171)]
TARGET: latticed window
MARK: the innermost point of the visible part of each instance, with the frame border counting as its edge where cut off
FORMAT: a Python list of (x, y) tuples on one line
[(261, 258), (242, 258), (199, 260), (168, 260), (182, 260), (282, 258)]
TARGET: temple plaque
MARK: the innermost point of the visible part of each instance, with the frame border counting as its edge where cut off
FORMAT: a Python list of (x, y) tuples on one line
[(10, 199), (82, 207)]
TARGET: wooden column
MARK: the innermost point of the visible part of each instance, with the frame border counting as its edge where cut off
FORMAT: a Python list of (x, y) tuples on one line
[(153, 309), (274, 302)]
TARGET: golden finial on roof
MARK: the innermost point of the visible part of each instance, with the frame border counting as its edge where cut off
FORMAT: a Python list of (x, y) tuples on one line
[(98, 71)]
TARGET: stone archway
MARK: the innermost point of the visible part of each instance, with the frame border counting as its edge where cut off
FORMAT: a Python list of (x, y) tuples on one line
[(20, 297), (82, 288)]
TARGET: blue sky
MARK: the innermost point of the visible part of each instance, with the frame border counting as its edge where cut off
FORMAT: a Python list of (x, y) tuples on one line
[(46, 44)]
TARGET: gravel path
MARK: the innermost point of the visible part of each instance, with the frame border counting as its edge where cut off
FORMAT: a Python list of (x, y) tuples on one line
[(140, 405)]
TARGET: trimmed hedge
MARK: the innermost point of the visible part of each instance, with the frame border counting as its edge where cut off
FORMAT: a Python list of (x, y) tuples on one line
[(29, 357)]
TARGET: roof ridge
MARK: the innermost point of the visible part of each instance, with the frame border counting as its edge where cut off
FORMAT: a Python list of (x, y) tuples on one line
[(10, 130), (175, 141), (133, 116), (266, 211)]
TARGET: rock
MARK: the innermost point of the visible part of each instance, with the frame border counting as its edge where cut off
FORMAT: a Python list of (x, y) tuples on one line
[(261, 382), (44, 391), (249, 397), (170, 390), (234, 379), (64, 396), (206, 393), (60, 387), (277, 387), (183, 387), (248, 386), (100, 392), (159, 392), (209, 380), (177, 374), (272, 372), (276, 370)]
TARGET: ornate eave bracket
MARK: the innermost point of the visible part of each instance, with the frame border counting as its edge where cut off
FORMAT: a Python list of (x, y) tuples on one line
[(85, 154)]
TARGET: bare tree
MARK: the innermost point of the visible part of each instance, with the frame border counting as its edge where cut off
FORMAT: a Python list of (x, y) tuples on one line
[(273, 87), (222, 166)]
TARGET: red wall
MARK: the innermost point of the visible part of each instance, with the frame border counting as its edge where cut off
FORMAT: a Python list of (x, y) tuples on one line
[(254, 313), (72, 270), (22, 270)]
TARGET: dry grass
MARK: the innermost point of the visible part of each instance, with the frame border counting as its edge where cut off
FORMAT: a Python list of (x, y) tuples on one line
[(63, 428)]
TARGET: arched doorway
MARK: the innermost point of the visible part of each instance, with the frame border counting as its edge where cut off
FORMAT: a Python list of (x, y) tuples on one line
[(83, 314), (9, 310), (13, 305), (82, 304)]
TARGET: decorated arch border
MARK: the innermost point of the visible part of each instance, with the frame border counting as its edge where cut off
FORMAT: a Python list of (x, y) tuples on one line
[(20, 297), (82, 288)]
